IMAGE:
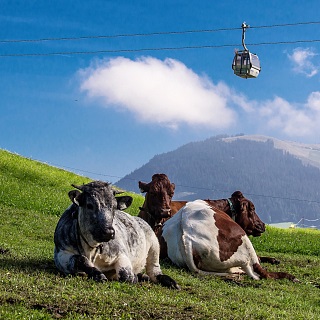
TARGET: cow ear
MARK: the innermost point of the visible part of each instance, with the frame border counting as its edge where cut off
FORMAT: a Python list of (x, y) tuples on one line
[(144, 187), (74, 196), (243, 206), (123, 202), (173, 186)]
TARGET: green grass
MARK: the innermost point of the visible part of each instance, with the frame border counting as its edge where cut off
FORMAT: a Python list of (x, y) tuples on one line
[(34, 195)]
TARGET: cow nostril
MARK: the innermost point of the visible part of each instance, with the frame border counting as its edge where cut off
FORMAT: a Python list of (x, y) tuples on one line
[(109, 233), (165, 213)]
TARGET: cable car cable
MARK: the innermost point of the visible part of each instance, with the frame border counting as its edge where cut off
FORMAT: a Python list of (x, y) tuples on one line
[(153, 49), (153, 33)]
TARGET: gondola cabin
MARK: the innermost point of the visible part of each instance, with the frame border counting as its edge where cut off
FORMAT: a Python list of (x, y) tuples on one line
[(246, 64)]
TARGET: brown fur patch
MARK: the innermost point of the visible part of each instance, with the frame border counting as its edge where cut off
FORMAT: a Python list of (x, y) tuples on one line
[(229, 235), (197, 259), (273, 275), (260, 271)]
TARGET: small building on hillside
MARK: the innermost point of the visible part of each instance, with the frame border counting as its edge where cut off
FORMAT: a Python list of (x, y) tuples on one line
[(283, 225)]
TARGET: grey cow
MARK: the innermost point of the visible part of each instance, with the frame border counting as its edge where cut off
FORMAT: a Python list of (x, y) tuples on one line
[(95, 237)]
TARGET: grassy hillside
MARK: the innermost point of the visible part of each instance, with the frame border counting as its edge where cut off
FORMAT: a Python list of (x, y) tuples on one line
[(34, 195)]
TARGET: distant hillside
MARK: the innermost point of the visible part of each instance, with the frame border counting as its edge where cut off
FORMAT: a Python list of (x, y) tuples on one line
[(280, 177), (307, 153)]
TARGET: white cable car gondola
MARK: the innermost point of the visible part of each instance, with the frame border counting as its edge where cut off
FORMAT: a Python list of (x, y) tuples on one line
[(245, 64)]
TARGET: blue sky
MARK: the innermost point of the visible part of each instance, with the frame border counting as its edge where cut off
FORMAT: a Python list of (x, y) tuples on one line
[(105, 105)]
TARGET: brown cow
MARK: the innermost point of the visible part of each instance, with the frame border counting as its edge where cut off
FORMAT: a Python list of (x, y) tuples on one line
[(239, 208), (158, 207)]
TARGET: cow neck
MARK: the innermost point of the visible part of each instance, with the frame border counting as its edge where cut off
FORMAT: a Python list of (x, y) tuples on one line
[(151, 217), (98, 248), (232, 209)]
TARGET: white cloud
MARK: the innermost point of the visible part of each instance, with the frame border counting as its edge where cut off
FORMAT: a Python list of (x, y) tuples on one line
[(169, 94), (291, 119), (301, 59), (164, 92)]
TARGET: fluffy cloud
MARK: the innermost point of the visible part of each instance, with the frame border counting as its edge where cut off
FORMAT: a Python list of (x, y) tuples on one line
[(169, 94), (291, 119), (164, 92), (302, 61)]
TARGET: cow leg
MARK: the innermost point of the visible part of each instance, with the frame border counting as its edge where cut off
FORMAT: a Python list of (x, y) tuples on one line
[(283, 275), (142, 277), (154, 271), (124, 270), (69, 263), (167, 281), (273, 275), (269, 260), (251, 272), (79, 263)]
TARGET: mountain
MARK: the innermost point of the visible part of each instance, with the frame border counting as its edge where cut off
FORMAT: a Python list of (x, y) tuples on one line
[(280, 177), (307, 153)]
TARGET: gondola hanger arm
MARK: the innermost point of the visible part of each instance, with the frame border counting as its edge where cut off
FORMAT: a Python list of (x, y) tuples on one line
[(244, 27)]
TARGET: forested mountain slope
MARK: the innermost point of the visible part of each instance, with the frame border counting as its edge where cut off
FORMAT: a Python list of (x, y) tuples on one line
[(282, 187)]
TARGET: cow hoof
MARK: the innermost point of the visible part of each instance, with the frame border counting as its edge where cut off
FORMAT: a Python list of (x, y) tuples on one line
[(269, 260), (142, 277), (275, 261), (126, 275), (100, 277), (168, 282)]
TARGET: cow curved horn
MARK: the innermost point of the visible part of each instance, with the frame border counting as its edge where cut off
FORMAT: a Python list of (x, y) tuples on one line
[(77, 187), (117, 191)]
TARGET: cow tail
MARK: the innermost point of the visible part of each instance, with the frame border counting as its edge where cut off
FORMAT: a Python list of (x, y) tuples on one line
[(187, 249), (187, 254)]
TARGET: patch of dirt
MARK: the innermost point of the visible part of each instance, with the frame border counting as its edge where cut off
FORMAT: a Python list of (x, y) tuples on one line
[(58, 311), (55, 311)]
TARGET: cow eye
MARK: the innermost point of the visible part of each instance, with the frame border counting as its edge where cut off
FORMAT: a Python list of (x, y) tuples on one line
[(89, 206)]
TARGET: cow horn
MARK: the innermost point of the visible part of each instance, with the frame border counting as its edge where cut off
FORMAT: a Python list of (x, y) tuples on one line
[(77, 187), (117, 191)]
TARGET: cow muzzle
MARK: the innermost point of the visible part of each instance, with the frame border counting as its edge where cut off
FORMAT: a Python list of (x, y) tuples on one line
[(259, 229), (106, 235), (165, 213), (110, 233)]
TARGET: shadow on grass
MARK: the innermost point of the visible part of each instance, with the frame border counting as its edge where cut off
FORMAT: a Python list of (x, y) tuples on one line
[(26, 264)]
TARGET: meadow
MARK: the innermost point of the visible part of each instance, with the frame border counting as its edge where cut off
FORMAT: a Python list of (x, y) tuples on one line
[(33, 195)]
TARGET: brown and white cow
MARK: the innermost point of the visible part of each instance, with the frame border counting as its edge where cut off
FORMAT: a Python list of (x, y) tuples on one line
[(158, 207), (208, 241), (239, 208)]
